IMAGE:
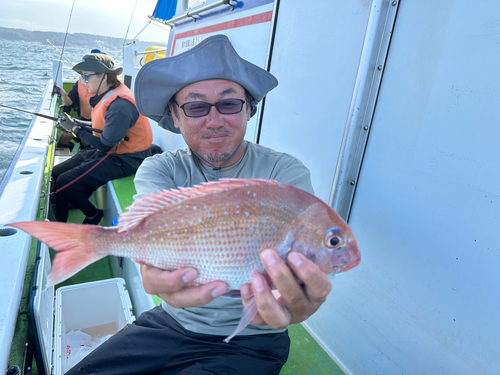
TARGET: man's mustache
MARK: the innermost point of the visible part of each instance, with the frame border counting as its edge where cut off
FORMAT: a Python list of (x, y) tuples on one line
[(215, 133)]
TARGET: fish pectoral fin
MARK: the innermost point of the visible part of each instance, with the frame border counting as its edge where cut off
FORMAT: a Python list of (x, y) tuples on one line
[(249, 312), (232, 294)]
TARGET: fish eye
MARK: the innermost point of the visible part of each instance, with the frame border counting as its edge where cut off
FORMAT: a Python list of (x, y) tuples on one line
[(334, 238), (334, 241)]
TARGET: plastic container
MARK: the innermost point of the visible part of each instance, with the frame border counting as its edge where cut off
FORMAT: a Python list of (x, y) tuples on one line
[(97, 308)]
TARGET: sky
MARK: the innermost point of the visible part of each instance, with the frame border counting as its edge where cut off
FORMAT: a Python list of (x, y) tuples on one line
[(101, 17)]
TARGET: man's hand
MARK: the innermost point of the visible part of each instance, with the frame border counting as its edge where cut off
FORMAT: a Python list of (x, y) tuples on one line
[(63, 95), (56, 90), (178, 289), (66, 123), (291, 302)]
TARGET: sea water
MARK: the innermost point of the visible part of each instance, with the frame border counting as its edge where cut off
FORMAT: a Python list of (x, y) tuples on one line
[(25, 69)]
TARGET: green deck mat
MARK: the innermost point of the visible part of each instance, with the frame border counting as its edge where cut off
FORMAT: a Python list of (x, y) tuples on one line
[(125, 191), (307, 357), (99, 270)]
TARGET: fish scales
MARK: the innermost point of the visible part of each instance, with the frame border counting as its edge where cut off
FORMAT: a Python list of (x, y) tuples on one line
[(218, 228), (218, 234)]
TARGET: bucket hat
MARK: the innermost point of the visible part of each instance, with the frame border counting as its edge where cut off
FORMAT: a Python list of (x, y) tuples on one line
[(99, 63), (213, 58)]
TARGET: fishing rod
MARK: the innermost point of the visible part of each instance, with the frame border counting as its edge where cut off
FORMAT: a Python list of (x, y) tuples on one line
[(80, 124), (58, 119), (57, 49), (56, 90), (128, 28), (31, 113)]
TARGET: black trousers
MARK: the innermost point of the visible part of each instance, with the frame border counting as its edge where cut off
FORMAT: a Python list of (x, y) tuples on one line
[(78, 193), (156, 344)]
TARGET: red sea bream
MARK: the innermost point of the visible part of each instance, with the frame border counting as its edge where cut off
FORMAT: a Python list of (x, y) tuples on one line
[(218, 228)]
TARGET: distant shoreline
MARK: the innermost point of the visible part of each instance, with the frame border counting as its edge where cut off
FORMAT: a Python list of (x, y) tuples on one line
[(74, 39)]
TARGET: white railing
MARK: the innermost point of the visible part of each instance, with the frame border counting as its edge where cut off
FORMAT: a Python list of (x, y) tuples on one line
[(171, 22)]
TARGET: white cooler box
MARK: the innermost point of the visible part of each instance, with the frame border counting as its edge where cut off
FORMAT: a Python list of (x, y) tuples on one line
[(97, 308)]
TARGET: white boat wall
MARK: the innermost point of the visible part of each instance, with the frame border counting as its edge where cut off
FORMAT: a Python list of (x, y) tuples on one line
[(393, 106), (20, 194)]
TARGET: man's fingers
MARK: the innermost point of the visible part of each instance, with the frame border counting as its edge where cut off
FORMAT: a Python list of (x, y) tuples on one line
[(158, 281), (297, 302), (278, 313), (195, 295), (317, 285), (265, 305), (283, 279), (178, 289), (246, 292), (271, 312)]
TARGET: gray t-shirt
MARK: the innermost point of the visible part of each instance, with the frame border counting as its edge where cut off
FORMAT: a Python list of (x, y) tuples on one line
[(182, 169)]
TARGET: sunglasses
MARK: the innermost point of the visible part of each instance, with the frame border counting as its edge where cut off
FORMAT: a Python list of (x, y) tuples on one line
[(200, 109), (86, 77)]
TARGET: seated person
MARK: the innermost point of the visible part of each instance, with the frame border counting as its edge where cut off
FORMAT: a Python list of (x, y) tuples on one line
[(120, 142), (77, 99)]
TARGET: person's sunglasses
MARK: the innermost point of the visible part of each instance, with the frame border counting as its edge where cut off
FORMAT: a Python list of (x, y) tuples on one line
[(200, 109), (86, 77)]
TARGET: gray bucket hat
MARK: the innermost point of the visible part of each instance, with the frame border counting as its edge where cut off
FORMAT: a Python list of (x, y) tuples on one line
[(99, 63), (213, 58)]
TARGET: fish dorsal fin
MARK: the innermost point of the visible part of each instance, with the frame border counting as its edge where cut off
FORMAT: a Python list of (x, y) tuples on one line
[(149, 205)]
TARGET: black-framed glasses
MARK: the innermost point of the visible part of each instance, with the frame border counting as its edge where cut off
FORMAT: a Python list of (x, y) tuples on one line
[(86, 77), (200, 109)]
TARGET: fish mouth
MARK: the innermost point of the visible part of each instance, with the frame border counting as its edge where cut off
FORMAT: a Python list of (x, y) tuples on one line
[(347, 267)]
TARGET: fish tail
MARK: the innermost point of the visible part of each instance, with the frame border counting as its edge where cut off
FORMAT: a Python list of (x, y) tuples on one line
[(73, 242), (249, 312)]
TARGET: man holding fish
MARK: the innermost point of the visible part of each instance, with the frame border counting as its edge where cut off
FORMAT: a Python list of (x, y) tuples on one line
[(212, 72), (227, 241)]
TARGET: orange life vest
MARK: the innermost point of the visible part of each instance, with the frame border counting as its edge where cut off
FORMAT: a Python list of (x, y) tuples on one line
[(140, 135), (84, 96)]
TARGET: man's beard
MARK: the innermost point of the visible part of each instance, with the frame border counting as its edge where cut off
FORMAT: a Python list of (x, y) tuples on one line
[(218, 157)]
